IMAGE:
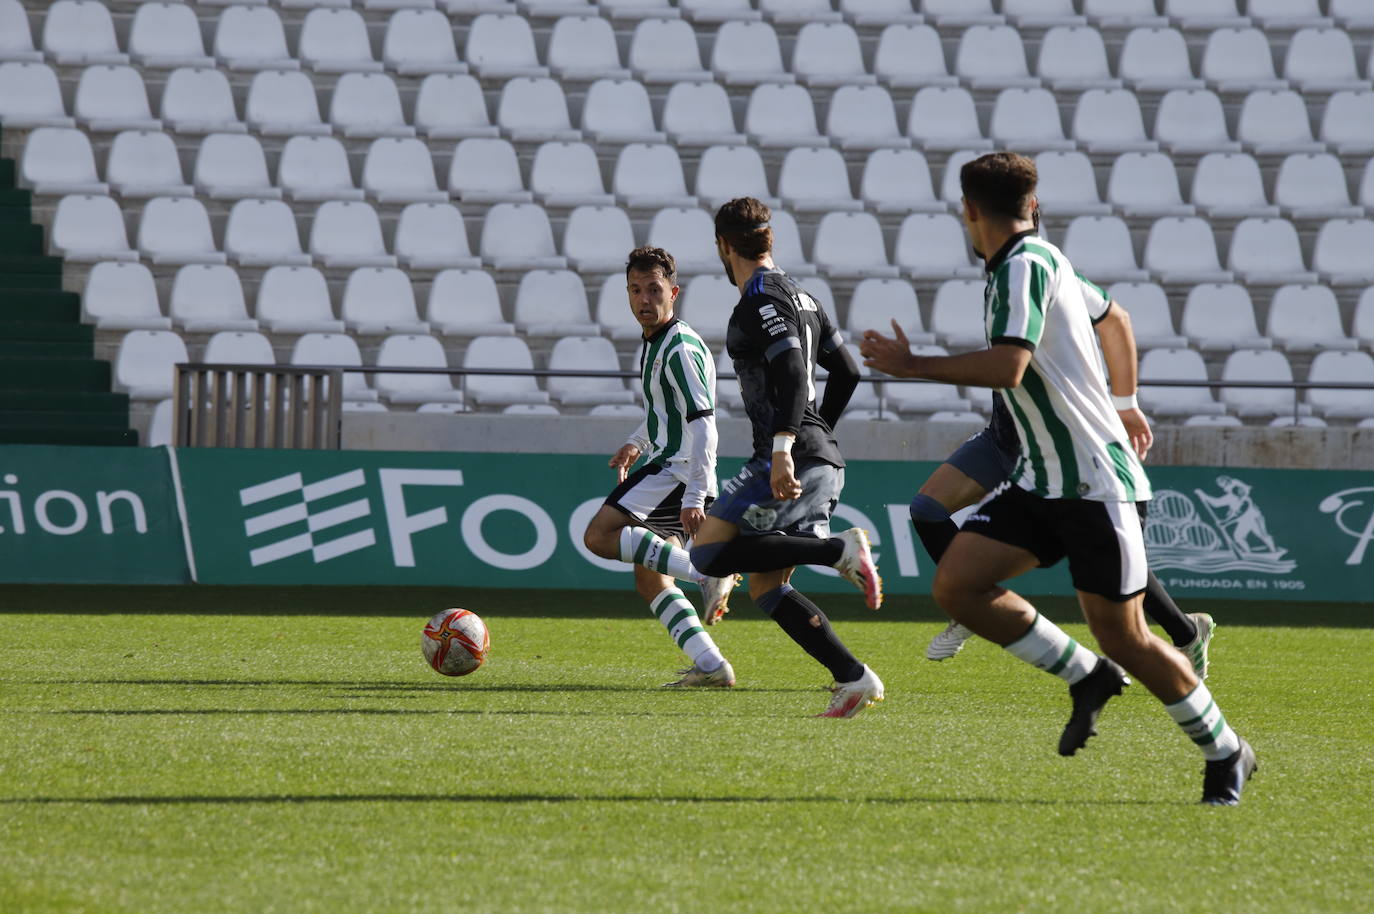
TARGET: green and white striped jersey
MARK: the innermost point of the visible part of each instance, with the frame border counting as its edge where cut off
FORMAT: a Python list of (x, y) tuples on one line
[(1073, 444), (678, 383)]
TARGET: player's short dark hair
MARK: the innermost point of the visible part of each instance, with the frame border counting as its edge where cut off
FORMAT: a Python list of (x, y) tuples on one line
[(646, 259), (1000, 183), (743, 223)]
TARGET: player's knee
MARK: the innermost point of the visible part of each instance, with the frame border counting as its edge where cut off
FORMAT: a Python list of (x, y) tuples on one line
[(769, 601), (949, 593), (707, 559), (926, 510)]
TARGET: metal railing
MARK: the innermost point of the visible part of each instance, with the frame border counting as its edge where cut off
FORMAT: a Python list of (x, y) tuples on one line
[(299, 406)]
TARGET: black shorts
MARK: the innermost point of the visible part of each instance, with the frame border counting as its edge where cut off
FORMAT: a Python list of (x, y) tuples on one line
[(653, 497), (1103, 541)]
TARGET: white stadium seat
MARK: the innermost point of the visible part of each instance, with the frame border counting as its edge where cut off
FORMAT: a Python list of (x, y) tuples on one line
[(401, 171), (1341, 252), (502, 46), (1362, 323), (1152, 323), (597, 238), (122, 296), (584, 48), (336, 41), (145, 364), (879, 12), (665, 51), (450, 106), (787, 245), (924, 397), (176, 230), (166, 35), (315, 168), (1176, 365), (1322, 60), (864, 117), (1192, 121), (960, 13), (1267, 252), (368, 105), (828, 54), (1275, 122), (698, 114), (30, 96), (707, 301), (433, 236), (466, 303), (1042, 13), (110, 98), (586, 353), (993, 57), (876, 303), (910, 55), (690, 235), (898, 180), (485, 170), (88, 228), (799, 11), (552, 303), (16, 38), (933, 246), (1347, 124), (1075, 58), (1155, 59), (1258, 365), (380, 300), (649, 176), (1307, 318), (1146, 184), (207, 298), (348, 234), (294, 299), (1342, 367), (420, 41), (262, 233), (1028, 119), (335, 349), (1067, 185), (145, 164), (1239, 59), (726, 172), (782, 116), (567, 175), (746, 54), (517, 236), (501, 390), (59, 160), (231, 166), (718, 10), (534, 110), (1109, 120), (79, 33), (1229, 184), (1183, 249), (1100, 247), (1286, 14), (1123, 13), (1220, 317), (414, 351), (1312, 186), (1205, 14), (252, 38), (945, 118), (618, 111), (199, 100), (851, 245), (956, 317), (815, 180), (283, 103)]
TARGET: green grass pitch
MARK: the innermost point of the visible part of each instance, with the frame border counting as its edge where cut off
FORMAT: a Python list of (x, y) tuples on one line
[(244, 750)]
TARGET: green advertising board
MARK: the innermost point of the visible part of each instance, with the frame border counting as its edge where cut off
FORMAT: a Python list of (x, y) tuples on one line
[(89, 515), (516, 520)]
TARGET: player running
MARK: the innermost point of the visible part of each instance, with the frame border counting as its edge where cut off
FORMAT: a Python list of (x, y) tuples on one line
[(650, 514), (1077, 490), (987, 459), (775, 514)]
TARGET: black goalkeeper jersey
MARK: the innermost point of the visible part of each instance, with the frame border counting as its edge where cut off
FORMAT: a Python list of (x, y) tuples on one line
[(774, 315)]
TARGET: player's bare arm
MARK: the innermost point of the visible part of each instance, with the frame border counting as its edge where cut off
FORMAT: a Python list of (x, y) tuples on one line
[(999, 366), (1119, 352)]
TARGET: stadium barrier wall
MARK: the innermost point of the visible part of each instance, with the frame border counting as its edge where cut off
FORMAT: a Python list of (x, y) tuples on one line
[(516, 520)]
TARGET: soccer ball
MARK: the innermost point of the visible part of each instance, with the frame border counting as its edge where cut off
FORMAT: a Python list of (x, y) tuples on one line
[(455, 642)]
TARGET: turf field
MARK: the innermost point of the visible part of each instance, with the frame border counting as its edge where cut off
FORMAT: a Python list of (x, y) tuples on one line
[(203, 749)]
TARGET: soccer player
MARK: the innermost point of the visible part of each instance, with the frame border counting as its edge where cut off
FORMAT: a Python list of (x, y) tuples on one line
[(653, 510), (988, 458), (775, 514), (1076, 491)]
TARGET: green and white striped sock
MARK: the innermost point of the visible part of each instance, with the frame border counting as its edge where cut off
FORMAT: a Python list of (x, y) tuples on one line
[(1197, 713), (644, 547), (1047, 647), (680, 619)]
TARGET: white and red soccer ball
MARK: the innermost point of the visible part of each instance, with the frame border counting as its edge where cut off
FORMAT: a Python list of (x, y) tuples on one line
[(455, 642)]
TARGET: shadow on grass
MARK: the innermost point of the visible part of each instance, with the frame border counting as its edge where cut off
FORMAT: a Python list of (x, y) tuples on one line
[(420, 603), (351, 686), (303, 799)]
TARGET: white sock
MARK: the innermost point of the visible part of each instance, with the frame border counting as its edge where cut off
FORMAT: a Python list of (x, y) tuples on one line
[(1197, 713), (1047, 647), (640, 546), (680, 619)]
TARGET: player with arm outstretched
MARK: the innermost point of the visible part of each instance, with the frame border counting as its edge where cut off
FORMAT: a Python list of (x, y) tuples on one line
[(775, 514), (654, 510), (988, 458), (1077, 491)]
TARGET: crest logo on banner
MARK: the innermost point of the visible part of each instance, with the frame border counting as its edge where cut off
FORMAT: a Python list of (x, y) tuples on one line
[(1222, 531)]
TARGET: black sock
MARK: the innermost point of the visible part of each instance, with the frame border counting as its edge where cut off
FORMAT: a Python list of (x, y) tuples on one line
[(774, 553), (807, 625), (936, 536), (1161, 607)]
